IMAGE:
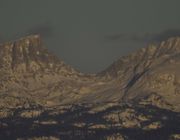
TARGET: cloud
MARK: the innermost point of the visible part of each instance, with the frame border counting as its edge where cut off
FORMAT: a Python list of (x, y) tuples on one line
[(165, 35), (148, 37), (128, 37), (44, 30)]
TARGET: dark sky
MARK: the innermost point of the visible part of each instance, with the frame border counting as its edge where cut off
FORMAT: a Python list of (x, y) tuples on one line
[(91, 34)]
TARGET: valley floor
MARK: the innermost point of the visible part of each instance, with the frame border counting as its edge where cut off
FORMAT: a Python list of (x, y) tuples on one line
[(110, 121)]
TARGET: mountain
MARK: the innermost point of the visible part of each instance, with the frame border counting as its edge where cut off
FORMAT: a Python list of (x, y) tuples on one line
[(29, 70), (154, 69), (29, 55), (137, 97)]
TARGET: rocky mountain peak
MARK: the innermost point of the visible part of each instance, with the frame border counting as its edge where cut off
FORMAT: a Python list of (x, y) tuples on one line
[(28, 54), (172, 45), (144, 58)]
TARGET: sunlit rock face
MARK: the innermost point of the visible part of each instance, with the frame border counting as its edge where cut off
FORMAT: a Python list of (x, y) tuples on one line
[(153, 69), (29, 55), (131, 99)]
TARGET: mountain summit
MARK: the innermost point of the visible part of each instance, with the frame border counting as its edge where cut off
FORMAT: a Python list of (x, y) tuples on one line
[(144, 57), (137, 97), (29, 55), (153, 69)]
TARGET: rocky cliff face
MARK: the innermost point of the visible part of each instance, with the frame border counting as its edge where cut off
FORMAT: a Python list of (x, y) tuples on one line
[(27, 66), (144, 58), (29, 55), (39, 92), (154, 69)]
